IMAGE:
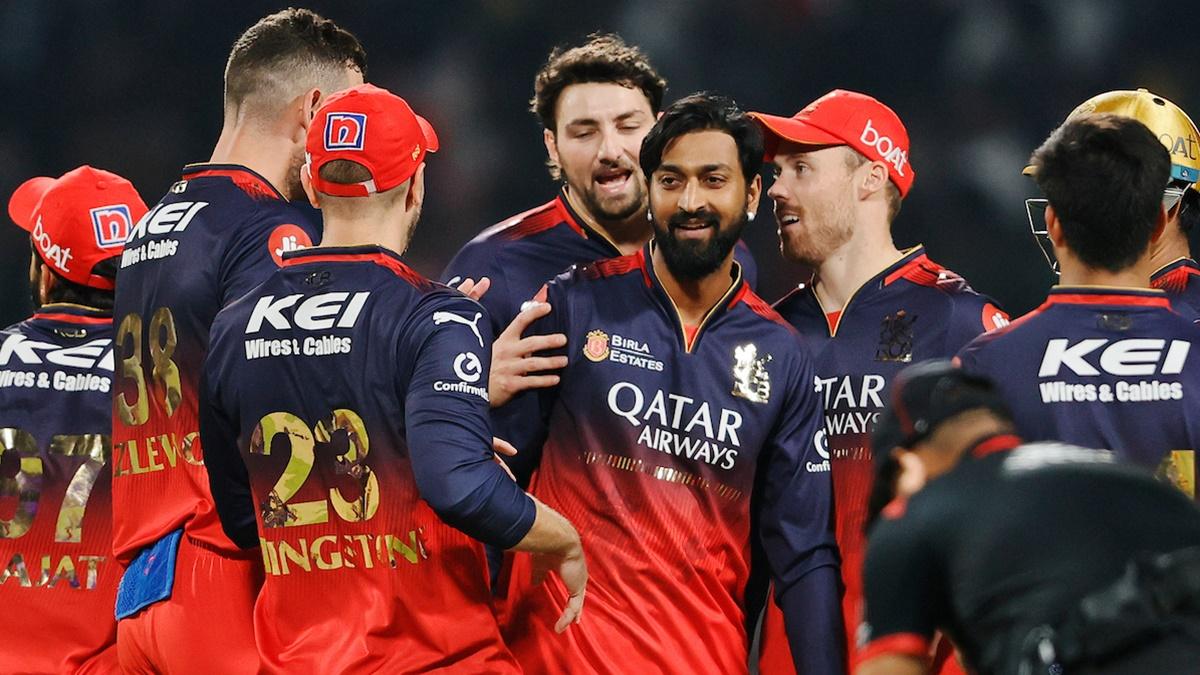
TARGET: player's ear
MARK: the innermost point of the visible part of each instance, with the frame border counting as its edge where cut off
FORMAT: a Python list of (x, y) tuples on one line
[(753, 195), (551, 147), (875, 180), (416, 190), (1160, 224), (45, 282), (1053, 227), (306, 182), (912, 476)]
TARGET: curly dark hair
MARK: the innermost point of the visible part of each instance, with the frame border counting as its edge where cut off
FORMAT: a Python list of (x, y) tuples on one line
[(603, 58)]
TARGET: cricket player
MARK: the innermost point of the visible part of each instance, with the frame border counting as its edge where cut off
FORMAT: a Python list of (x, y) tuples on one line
[(596, 102), (188, 592), (1174, 269), (842, 170), (353, 392), (59, 580), (683, 426), (1104, 362), (1036, 558)]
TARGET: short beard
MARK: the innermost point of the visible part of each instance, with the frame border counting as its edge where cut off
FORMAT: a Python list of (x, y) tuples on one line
[(693, 260), (817, 242), (293, 189), (621, 211)]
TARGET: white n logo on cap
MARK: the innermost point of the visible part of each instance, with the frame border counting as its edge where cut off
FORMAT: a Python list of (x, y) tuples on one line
[(885, 146)]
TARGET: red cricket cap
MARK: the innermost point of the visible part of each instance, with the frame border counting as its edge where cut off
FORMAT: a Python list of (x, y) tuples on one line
[(846, 118), (77, 220), (373, 127)]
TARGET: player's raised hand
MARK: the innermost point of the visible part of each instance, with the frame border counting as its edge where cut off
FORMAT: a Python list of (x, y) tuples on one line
[(474, 289), (513, 357)]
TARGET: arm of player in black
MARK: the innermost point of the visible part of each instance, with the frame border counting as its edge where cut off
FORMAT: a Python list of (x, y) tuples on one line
[(900, 591), (795, 525), (228, 479)]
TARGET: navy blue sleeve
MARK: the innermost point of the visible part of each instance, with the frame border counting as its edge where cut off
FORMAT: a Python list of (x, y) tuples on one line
[(255, 252), (228, 479), (446, 420), (795, 523), (971, 315), (524, 421)]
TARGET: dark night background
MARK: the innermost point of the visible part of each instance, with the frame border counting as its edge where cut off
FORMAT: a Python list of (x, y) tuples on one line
[(135, 87)]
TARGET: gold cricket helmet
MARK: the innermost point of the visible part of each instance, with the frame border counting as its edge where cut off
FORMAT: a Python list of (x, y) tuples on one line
[(1165, 119)]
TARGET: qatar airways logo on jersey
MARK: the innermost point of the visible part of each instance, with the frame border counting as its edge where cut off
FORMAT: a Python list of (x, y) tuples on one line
[(20, 350), (679, 425), (316, 312), (852, 402)]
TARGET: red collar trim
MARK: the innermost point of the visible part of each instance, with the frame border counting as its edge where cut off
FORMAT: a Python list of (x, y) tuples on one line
[(912, 263), (374, 255), (1173, 278), (1083, 296), (84, 316), (569, 217), (996, 444), (249, 182)]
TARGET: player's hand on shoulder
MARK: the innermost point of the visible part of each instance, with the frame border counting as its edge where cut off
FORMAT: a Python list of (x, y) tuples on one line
[(514, 366), (474, 289), (503, 447)]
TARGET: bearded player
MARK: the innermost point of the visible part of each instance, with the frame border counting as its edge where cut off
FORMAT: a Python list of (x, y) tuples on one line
[(188, 592), (682, 428), (595, 102), (59, 580), (842, 171)]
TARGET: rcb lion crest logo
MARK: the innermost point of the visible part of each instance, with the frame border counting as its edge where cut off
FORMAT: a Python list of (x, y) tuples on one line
[(751, 380), (596, 347), (896, 338)]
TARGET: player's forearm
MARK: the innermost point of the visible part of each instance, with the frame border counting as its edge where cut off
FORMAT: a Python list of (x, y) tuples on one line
[(551, 533), (812, 614)]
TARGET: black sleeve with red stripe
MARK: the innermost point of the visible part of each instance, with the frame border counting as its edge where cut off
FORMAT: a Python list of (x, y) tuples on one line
[(904, 587)]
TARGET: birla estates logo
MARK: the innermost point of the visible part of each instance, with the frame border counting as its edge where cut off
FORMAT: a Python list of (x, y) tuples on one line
[(345, 131), (111, 225), (889, 150)]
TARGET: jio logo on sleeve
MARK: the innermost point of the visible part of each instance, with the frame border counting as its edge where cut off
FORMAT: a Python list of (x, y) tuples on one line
[(111, 225), (345, 131)]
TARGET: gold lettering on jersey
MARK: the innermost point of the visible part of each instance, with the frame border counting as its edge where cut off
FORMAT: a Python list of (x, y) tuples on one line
[(156, 453), (663, 473), (751, 380), (331, 552), (53, 571)]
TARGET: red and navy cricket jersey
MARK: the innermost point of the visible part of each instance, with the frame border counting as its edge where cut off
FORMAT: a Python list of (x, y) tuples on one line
[(912, 311), (663, 445), (519, 256), (354, 393), (1102, 367), (216, 234), (59, 581), (1181, 281)]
